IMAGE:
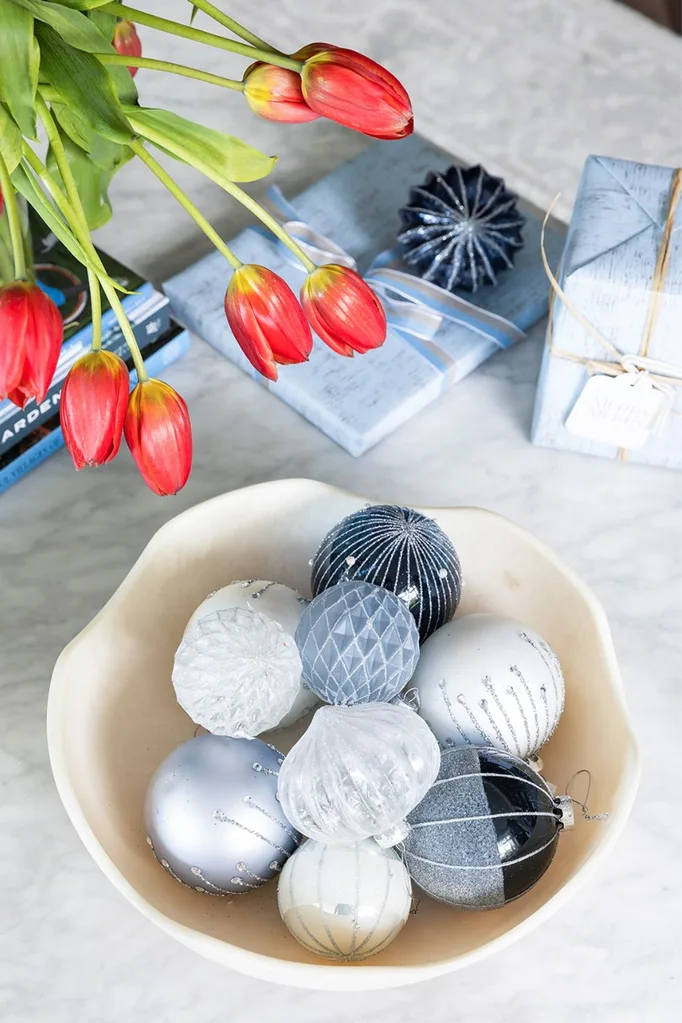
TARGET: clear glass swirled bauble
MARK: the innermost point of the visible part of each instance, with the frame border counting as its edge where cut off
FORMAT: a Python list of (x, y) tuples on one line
[(357, 772)]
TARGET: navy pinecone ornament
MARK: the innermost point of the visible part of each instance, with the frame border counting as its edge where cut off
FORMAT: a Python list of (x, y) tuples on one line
[(461, 228)]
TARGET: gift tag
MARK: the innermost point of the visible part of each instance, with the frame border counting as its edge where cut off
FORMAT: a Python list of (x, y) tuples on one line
[(624, 410)]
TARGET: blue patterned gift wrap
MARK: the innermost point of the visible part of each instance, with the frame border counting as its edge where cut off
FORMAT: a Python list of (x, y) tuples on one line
[(607, 272), (359, 401)]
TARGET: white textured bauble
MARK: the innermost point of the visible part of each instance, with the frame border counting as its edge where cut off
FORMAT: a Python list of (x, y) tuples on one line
[(344, 902), (279, 602), (489, 681), (356, 772), (236, 672)]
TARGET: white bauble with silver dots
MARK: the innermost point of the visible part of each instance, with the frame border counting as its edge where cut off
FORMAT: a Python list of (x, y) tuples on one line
[(485, 680)]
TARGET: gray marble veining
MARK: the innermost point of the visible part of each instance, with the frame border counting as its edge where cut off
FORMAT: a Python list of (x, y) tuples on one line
[(529, 89)]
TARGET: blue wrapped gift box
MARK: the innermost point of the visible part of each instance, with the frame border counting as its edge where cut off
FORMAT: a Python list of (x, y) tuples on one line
[(621, 272), (359, 401)]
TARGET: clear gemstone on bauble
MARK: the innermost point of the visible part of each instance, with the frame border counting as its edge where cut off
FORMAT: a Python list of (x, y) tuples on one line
[(236, 672)]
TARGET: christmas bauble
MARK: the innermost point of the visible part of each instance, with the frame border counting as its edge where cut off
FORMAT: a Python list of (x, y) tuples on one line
[(212, 815), (344, 902), (281, 603), (358, 643), (485, 832), (489, 681), (236, 672), (399, 549), (357, 771)]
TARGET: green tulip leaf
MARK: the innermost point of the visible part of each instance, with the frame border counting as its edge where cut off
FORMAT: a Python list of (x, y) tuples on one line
[(74, 27), (78, 130), (82, 5), (91, 34), (92, 173), (84, 85), (221, 156), (25, 183), (10, 140), (19, 63), (105, 22)]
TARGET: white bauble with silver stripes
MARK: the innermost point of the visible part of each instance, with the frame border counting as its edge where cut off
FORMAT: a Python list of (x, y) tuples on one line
[(484, 680), (344, 902)]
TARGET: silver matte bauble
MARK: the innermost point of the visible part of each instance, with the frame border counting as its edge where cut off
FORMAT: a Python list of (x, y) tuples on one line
[(281, 603), (344, 902), (358, 644), (236, 672), (357, 771), (489, 681), (212, 816)]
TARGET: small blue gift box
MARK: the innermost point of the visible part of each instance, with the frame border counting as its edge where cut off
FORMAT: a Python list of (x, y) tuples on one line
[(617, 331), (359, 401)]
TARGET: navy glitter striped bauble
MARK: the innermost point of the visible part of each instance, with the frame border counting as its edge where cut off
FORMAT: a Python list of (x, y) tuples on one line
[(461, 228), (485, 832), (399, 549)]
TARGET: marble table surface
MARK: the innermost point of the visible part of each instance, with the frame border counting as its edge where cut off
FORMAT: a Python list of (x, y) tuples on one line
[(528, 88)]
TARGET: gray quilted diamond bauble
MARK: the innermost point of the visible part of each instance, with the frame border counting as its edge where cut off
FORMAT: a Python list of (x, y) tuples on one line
[(358, 643)]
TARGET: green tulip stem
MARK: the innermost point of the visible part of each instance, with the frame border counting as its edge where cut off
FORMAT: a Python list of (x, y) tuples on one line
[(14, 220), (270, 222), (199, 36), (186, 203), (233, 26), (75, 218), (95, 309), (173, 69)]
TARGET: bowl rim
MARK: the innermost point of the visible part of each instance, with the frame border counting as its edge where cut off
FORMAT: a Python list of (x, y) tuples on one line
[(338, 976)]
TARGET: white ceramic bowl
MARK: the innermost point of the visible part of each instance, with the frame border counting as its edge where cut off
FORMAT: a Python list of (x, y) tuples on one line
[(112, 717)]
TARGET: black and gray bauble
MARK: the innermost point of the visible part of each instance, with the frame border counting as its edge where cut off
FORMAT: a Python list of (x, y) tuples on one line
[(485, 832), (399, 549)]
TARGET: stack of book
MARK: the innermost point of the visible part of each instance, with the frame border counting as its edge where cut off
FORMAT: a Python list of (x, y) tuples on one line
[(28, 436)]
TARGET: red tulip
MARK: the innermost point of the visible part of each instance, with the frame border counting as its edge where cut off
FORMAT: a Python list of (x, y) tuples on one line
[(343, 310), (348, 87), (1, 202), (159, 434), (275, 94), (127, 41), (266, 319), (93, 406), (31, 333)]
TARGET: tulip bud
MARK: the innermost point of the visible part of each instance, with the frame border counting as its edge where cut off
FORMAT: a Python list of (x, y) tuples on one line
[(127, 42), (93, 407), (275, 94), (31, 333), (159, 434), (343, 310), (353, 90), (266, 319)]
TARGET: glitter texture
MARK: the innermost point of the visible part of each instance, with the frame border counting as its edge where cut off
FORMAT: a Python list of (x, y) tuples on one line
[(461, 228), (402, 551)]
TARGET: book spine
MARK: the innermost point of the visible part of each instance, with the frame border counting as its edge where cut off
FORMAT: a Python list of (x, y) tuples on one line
[(16, 423), (46, 446)]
